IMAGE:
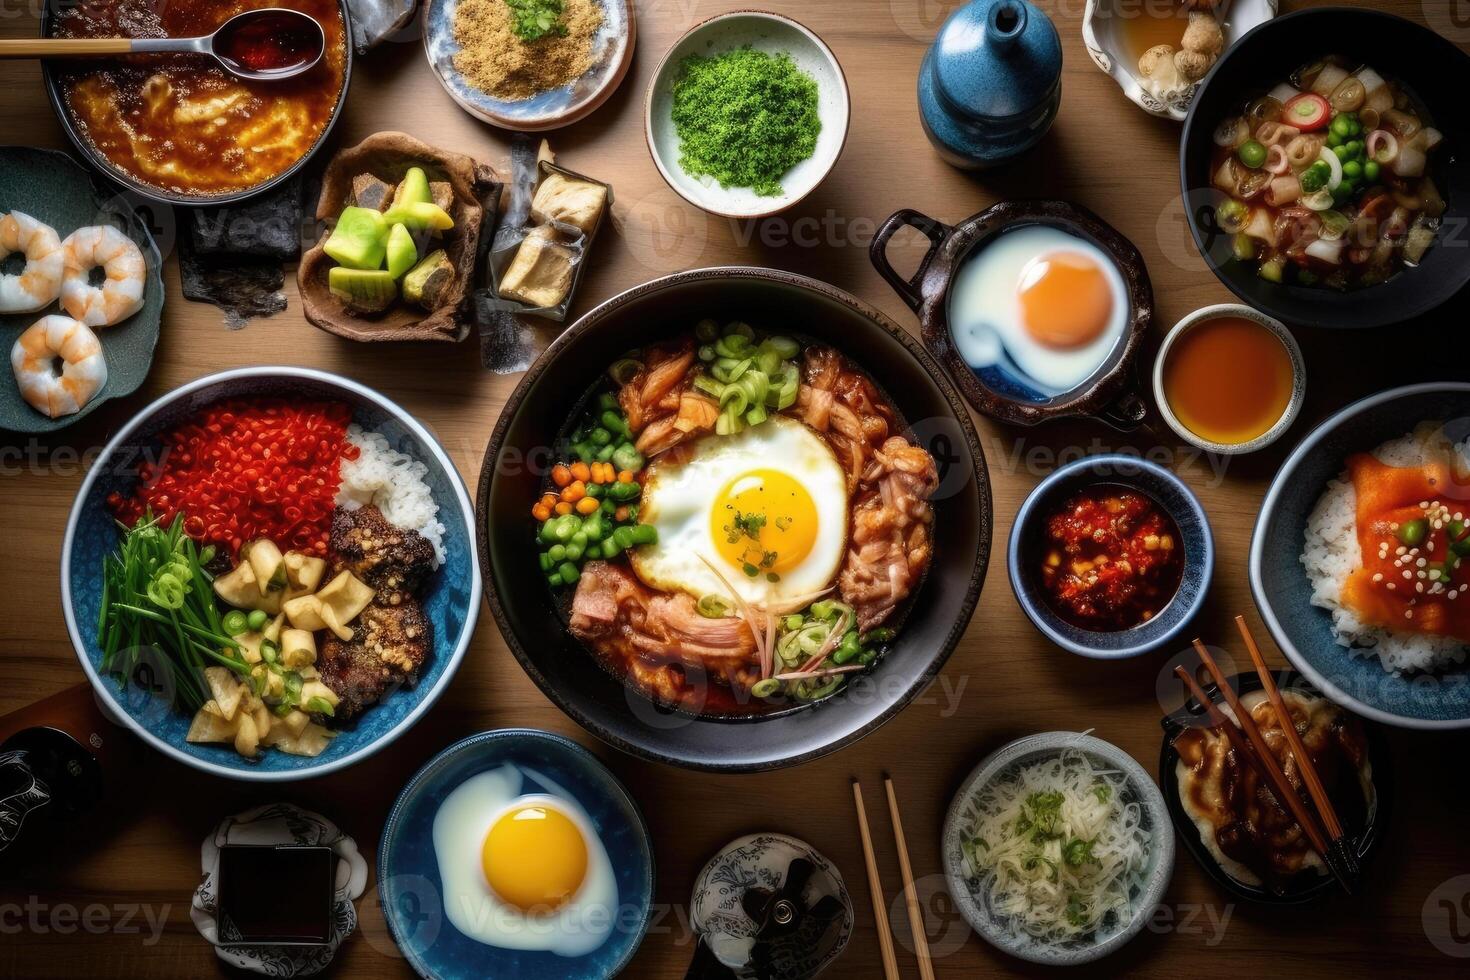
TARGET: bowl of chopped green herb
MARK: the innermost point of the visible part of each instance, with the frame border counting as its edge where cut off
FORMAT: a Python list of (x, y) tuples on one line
[(747, 113)]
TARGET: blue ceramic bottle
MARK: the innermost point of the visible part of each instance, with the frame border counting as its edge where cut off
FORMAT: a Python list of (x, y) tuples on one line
[(990, 85)]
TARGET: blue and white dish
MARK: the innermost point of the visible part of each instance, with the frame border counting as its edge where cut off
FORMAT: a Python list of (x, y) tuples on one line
[(451, 602), (612, 54), (411, 886), (1024, 558), (1283, 592)]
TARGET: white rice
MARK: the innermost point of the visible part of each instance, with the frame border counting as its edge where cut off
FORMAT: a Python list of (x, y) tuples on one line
[(393, 481), (1331, 554)]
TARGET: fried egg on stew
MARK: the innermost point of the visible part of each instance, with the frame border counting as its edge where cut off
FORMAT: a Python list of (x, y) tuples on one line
[(767, 507), (523, 871)]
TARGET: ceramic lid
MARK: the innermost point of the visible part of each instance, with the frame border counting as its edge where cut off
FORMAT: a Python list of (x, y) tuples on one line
[(995, 59)]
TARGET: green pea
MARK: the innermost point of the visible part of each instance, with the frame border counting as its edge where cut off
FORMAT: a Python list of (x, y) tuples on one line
[(794, 621), (554, 580), (610, 548), (546, 560), (1342, 151), (1412, 532), (1355, 149), (1252, 153), (569, 573), (1352, 170), (574, 552), (257, 619), (1334, 140), (599, 436), (557, 553), (1342, 125), (625, 457), (644, 534), (1371, 170)]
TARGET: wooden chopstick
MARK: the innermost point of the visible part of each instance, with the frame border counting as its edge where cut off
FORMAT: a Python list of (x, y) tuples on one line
[(1266, 762), (1304, 762), (875, 887), (910, 896)]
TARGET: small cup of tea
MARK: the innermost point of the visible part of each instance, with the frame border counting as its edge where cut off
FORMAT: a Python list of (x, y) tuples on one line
[(1229, 380)]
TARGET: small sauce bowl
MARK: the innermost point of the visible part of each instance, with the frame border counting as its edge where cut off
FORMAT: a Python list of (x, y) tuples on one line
[(1025, 555), (1293, 353)]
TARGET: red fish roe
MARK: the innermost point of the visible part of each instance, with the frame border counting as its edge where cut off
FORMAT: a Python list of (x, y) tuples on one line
[(241, 470)]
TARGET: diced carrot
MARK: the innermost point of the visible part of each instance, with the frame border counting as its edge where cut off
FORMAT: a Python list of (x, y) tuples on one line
[(621, 513), (549, 499), (563, 508), (575, 492), (587, 505), (541, 511), (626, 476), (581, 471), (560, 475)]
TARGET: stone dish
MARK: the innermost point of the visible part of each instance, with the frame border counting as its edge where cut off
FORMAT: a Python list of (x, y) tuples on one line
[(1109, 394), (514, 467), (51, 187), (1102, 33), (1283, 593), (387, 156), (451, 601), (773, 34), (1155, 818)]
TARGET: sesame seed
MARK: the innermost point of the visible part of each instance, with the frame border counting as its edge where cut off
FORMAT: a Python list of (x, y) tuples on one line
[(1378, 576), (1408, 574)]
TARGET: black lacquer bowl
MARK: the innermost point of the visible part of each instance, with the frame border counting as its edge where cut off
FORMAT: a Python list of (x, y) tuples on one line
[(520, 453), (1432, 67)]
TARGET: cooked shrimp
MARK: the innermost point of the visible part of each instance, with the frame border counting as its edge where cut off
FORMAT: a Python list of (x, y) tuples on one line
[(121, 292), (38, 284), (83, 368)]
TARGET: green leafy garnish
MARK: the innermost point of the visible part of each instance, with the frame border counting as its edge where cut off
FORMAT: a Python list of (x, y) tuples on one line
[(1077, 852), (534, 19)]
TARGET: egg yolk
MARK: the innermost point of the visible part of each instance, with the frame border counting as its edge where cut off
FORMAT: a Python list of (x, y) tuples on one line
[(534, 857), (1066, 300), (763, 522)]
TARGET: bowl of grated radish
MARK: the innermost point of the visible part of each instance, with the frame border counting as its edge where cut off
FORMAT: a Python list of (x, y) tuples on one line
[(1057, 848)]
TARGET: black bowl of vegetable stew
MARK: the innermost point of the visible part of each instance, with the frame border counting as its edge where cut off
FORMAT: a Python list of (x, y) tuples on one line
[(1326, 285), (540, 424)]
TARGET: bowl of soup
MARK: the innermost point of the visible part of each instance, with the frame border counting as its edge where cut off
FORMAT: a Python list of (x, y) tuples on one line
[(179, 128), (1229, 380), (1323, 168)]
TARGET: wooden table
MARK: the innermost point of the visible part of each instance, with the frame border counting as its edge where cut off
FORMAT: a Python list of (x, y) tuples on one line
[(1002, 682)]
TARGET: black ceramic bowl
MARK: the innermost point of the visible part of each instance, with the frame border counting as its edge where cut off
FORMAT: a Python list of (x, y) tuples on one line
[(519, 455), (1431, 66), (52, 76), (1026, 552), (1306, 886)]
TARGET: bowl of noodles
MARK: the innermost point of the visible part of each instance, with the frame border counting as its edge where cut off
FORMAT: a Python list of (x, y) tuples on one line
[(733, 519), (1057, 848)]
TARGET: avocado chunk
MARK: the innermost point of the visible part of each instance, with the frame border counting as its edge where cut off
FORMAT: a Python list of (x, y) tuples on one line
[(420, 216), (369, 290), (359, 240), (413, 188), (427, 282), (402, 253)]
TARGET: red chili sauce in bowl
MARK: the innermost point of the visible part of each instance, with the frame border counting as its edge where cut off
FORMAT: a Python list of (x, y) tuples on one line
[(1111, 559)]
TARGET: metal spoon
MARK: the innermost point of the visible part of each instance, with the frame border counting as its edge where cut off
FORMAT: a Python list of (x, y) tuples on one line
[(257, 45)]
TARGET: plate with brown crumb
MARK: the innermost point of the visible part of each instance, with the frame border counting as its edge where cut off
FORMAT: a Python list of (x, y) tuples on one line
[(529, 65)]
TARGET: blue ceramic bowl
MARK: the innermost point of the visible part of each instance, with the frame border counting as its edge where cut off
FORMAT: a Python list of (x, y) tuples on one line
[(410, 889), (1280, 586), (452, 601), (1023, 556)]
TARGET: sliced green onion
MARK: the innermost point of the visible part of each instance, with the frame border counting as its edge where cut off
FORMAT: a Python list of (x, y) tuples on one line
[(712, 606)]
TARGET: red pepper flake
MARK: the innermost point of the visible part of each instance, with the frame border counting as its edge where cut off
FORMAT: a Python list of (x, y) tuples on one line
[(240, 470)]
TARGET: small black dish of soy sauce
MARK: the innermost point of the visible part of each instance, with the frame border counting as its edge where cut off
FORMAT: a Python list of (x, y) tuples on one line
[(276, 895)]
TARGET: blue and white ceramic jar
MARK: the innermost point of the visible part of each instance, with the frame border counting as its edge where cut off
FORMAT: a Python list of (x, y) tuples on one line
[(991, 83)]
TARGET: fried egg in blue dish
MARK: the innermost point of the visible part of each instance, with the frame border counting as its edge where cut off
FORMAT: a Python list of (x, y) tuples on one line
[(516, 853), (1036, 311), (737, 521)]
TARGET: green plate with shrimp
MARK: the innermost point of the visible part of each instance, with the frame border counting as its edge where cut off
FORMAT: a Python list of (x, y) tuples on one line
[(54, 189)]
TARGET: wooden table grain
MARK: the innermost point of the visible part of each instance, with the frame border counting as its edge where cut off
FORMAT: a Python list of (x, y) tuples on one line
[(1003, 681)]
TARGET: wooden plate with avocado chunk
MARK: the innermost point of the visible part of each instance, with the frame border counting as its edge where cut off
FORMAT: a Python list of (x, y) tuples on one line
[(401, 223)]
